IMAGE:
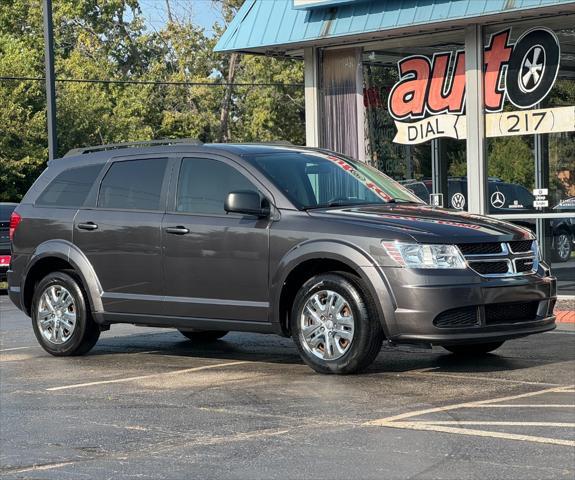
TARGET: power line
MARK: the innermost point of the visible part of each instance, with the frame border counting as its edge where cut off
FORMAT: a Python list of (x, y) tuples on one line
[(153, 82)]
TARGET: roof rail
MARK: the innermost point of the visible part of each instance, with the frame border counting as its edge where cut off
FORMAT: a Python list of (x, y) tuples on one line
[(114, 146)]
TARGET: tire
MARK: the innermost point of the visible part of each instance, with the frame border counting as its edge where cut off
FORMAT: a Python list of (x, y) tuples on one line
[(473, 349), (354, 321), (562, 247), (53, 326), (205, 336)]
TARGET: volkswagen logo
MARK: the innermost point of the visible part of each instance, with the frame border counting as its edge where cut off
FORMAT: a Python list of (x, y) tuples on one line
[(497, 199), (458, 201)]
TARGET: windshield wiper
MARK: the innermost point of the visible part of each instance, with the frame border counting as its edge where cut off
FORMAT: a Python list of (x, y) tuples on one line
[(357, 204)]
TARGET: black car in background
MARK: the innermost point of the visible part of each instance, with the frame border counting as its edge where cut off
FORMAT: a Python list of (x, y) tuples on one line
[(564, 229), (6, 210), (508, 198)]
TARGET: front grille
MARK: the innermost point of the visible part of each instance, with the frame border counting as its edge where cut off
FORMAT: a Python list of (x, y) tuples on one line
[(510, 312), (490, 268), (458, 317), (524, 265), (521, 246), (501, 259), (480, 248)]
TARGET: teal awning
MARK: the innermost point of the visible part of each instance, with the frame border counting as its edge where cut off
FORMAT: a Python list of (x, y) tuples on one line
[(264, 25)]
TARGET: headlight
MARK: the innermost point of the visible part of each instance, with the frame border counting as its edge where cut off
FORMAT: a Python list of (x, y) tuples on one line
[(417, 255)]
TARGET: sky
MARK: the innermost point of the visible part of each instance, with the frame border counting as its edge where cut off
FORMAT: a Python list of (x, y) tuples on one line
[(201, 12)]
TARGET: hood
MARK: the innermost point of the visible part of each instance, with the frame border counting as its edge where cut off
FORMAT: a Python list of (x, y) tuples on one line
[(426, 224)]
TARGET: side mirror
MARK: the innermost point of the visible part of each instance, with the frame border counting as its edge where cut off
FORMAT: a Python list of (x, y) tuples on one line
[(247, 202)]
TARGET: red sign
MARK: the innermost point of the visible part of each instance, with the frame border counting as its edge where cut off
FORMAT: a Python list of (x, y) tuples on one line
[(4, 260), (523, 72)]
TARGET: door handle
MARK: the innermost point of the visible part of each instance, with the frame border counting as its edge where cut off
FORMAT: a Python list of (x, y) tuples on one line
[(87, 226), (178, 230)]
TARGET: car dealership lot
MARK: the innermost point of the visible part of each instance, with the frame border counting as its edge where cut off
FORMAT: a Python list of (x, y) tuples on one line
[(146, 403)]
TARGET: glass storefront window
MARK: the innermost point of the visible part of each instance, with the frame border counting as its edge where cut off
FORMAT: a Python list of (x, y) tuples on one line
[(531, 144), (396, 141)]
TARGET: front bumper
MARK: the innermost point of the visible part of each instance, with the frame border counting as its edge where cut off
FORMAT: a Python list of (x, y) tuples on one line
[(482, 309)]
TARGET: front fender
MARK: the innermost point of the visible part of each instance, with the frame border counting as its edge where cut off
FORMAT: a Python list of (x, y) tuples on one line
[(70, 253), (356, 259)]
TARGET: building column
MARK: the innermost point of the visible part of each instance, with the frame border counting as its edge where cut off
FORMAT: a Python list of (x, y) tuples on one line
[(360, 106), (476, 154), (311, 80)]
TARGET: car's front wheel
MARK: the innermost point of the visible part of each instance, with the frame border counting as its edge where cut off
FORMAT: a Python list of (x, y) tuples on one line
[(334, 325), (61, 320), (473, 349), (562, 247)]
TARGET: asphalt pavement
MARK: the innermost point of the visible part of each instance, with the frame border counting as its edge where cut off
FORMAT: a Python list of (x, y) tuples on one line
[(148, 404)]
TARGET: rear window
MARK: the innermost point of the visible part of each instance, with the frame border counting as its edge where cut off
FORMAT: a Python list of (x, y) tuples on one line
[(6, 211), (133, 185), (70, 188)]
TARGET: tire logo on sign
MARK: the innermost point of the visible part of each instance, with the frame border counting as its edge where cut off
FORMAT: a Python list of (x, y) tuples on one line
[(533, 67), (497, 199), (458, 201)]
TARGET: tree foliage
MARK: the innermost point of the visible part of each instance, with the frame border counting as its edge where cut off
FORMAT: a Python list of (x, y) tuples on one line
[(108, 39)]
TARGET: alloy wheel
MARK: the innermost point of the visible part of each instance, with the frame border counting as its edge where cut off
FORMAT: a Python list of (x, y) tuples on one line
[(56, 314), (327, 325), (562, 246)]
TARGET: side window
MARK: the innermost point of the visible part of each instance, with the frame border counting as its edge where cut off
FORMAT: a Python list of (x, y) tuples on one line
[(70, 188), (133, 184), (204, 184)]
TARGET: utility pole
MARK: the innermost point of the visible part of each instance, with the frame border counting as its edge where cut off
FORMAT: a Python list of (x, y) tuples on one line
[(50, 80)]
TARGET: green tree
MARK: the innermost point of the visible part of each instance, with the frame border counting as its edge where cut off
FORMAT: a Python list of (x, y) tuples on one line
[(108, 39)]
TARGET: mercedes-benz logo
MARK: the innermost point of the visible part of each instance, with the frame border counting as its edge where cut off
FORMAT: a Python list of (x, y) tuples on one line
[(497, 199), (458, 201), (532, 68)]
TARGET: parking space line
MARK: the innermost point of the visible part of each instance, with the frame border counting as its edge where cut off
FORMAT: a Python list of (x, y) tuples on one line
[(477, 433), (456, 406), (486, 379), (143, 377), (524, 405), (37, 468), (498, 423), (16, 348), (399, 421)]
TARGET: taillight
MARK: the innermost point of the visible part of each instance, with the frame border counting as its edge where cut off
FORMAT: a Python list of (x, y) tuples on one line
[(15, 220)]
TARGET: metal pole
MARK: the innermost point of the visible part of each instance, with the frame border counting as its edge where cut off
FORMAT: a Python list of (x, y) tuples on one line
[(544, 235), (476, 158), (50, 81)]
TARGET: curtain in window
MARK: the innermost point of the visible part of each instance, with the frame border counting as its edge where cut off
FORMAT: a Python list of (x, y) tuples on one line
[(339, 100)]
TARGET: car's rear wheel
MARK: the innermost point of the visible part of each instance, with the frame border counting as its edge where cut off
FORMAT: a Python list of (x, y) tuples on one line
[(203, 336), (473, 349), (334, 324), (562, 247), (61, 320)]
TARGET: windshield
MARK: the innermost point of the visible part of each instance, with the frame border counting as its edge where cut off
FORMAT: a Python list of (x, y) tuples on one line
[(318, 180)]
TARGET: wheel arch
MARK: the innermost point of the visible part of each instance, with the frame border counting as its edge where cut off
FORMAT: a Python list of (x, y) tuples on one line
[(55, 255), (314, 257)]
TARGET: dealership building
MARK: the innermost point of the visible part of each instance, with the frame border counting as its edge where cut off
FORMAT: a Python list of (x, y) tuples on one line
[(470, 103)]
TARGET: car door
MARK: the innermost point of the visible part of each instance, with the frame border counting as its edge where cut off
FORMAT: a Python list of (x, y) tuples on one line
[(121, 234), (216, 264)]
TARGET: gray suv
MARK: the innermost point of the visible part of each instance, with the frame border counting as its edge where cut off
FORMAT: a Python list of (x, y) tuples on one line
[(263, 238)]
